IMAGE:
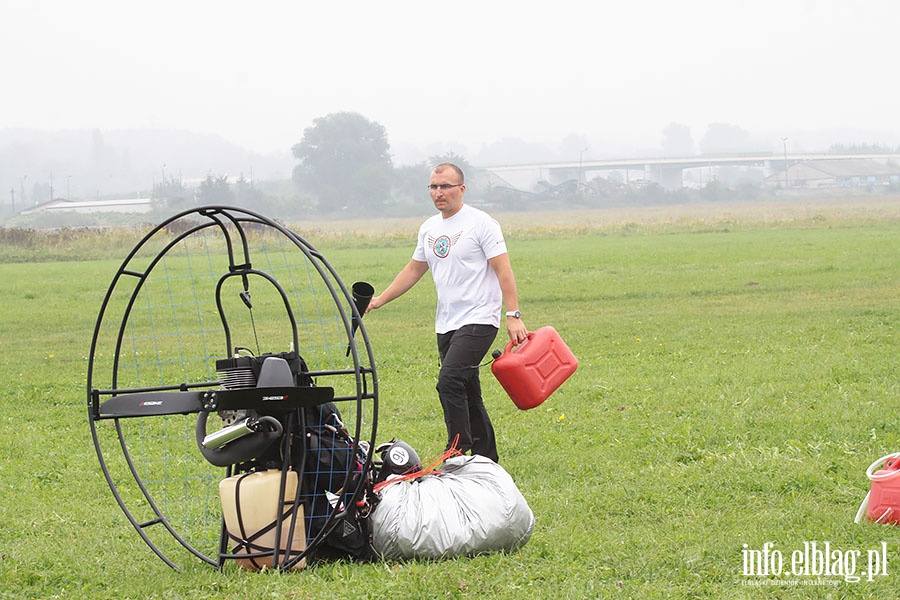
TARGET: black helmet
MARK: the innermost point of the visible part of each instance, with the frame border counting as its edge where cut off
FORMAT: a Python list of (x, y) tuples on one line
[(397, 458)]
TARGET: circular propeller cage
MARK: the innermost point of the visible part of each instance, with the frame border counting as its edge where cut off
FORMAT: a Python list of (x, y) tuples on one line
[(189, 318)]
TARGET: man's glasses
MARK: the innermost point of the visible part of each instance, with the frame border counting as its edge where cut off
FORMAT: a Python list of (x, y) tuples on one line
[(443, 186)]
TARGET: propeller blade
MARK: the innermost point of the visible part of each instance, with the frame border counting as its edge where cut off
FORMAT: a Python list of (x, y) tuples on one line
[(264, 400), (272, 400), (152, 404)]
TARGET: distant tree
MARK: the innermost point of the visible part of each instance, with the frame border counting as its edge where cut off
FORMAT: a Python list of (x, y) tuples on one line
[(409, 183), (677, 140), (214, 190), (345, 162), (862, 148), (722, 138), (451, 157), (245, 194), (170, 193)]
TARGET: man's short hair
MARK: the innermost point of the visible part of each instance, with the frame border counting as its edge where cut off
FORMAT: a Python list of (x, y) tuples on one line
[(446, 165)]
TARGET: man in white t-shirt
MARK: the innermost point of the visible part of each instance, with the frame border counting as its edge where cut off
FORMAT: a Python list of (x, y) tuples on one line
[(464, 249)]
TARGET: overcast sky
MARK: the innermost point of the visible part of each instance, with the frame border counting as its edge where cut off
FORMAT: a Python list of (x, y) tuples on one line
[(259, 72)]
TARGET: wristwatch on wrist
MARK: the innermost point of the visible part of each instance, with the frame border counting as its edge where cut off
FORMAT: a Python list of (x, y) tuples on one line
[(514, 314)]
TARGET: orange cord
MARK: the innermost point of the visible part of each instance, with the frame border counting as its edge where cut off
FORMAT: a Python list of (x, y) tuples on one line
[(428, 469)]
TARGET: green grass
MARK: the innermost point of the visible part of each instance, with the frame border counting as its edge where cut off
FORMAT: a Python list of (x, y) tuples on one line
[(736, 378)]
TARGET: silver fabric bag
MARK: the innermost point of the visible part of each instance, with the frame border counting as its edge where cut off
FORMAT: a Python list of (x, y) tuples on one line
[(470, 507)]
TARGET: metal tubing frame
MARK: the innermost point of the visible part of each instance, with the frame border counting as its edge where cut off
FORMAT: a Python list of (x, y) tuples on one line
[(364, 377)]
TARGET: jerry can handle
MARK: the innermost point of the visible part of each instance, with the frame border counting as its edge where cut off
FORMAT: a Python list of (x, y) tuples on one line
[(509, 345), (892, 467)]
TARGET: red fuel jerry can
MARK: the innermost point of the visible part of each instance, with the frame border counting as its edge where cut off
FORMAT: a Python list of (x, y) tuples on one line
[(884, 497), (535, 368)]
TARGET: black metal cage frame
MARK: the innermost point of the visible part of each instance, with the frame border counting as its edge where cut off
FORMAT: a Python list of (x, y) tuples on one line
[(118, 396)]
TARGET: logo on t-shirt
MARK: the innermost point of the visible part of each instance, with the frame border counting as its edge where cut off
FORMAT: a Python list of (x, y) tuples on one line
[(442, 244)]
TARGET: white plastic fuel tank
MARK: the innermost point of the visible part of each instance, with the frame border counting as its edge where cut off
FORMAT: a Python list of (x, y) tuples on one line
[(250, 506)]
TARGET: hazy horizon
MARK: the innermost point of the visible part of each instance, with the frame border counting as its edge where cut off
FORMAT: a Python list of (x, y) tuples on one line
[(458, 77)]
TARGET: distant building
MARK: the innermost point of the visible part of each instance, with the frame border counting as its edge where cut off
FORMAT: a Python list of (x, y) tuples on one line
[(125, 205), (836, 173)]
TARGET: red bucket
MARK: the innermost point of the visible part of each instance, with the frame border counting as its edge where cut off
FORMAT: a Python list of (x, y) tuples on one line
[(884, 497), (534, 369)]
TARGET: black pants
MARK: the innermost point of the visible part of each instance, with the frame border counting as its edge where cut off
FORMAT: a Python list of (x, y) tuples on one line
[(459, 388)]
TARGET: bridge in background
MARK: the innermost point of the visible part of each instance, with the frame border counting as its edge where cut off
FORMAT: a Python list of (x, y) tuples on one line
[(667, 172)]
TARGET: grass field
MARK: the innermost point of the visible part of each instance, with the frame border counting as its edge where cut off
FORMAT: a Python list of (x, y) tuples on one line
[(738, 374)]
